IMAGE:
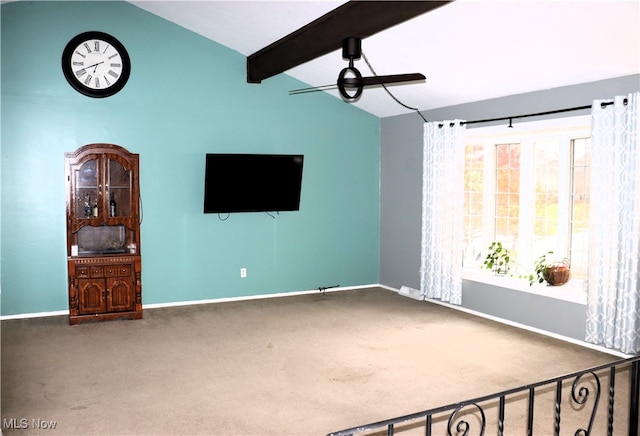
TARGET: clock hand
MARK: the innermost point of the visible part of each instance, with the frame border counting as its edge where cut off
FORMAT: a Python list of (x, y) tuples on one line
[(95, 66)]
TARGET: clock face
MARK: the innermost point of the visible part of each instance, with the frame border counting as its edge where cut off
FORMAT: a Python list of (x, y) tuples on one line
[(96, 64)]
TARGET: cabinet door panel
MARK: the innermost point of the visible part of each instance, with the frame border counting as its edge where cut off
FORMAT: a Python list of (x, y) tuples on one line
[(120, 294), (119, 181), (86, 188), (91, 296)]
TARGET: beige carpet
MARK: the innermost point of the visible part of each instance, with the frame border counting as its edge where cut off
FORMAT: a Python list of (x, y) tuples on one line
[(300, 365)]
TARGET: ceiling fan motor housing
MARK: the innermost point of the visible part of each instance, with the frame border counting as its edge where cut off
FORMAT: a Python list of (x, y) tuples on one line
[(351, 48), (350, 78)]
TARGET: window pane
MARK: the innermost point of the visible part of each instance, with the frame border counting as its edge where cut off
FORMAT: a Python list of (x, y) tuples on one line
[(507, 195), (546, 174), (581, 175), (473, 188)]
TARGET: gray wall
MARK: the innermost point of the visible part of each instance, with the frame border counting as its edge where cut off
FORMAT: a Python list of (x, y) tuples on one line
[(400, 202)]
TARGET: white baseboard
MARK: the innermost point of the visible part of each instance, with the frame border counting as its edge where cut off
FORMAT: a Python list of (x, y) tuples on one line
[(253, 297), (207, 301), (34, 315)]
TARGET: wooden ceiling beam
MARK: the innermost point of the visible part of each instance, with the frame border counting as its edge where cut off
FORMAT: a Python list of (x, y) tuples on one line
[(355, 18)]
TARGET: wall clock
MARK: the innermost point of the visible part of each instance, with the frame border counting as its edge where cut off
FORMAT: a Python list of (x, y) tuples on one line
[(96, 64)]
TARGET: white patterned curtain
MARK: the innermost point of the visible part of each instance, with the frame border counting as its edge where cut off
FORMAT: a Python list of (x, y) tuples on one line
[(613, 290), (442, 209)]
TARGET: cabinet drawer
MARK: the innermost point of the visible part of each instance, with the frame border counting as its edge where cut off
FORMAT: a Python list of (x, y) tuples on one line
[(121, 270), (82, 272), (124, 270), (97, 271)]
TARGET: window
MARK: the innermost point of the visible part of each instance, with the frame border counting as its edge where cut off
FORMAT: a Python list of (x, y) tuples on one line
[(528, 187)]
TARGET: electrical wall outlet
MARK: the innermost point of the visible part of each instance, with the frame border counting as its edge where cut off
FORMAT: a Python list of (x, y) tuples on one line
[(243, 272)]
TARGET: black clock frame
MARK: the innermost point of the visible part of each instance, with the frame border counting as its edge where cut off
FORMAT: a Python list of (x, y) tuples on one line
[(70, 75)]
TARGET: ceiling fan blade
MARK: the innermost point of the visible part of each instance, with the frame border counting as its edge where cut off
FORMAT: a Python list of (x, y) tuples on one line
[(313, 89), (354, 82), (359, 83), (392, 78)]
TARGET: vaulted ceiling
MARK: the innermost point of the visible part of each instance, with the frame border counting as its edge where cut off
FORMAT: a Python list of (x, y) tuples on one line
[(469, 50)]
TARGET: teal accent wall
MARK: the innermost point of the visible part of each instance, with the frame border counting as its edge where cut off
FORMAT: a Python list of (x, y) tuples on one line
[(186, 96)]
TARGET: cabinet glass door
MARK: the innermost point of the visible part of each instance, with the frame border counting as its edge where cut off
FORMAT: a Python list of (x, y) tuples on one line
[(119, 185), (86, 187)]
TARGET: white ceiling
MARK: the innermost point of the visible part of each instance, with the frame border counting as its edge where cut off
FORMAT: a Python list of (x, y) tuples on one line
[(469, 50)]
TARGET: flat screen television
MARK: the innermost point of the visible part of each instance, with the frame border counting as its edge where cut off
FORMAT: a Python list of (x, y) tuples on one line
[(252, 182)]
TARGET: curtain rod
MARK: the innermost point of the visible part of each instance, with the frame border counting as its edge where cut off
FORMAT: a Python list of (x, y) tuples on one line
[(558, 111)]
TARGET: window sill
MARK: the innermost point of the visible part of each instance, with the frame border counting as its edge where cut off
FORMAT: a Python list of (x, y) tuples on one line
[(573, 291)]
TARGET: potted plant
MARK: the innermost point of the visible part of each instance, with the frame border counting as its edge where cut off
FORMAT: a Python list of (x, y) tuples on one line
[(554, 272), (498, 259)]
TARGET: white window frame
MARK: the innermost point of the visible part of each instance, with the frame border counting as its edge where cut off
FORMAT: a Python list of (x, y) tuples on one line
[(523, 133)]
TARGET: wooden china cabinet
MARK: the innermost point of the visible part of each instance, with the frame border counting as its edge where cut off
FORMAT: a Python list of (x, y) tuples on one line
[(103, 234)]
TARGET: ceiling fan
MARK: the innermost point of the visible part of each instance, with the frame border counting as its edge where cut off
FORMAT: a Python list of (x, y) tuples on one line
[(350, 82)]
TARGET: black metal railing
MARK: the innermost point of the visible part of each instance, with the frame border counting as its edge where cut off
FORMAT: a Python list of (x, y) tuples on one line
[(537, 408)]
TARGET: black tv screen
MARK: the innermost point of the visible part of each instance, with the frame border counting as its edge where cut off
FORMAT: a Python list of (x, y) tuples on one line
[(252, 182)]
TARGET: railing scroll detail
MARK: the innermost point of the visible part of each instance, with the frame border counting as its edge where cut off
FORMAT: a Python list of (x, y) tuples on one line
[(585, 389), (462, 427)]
